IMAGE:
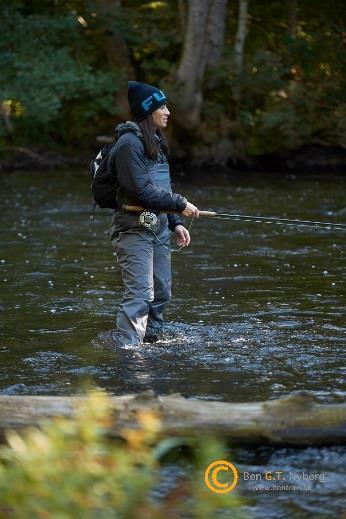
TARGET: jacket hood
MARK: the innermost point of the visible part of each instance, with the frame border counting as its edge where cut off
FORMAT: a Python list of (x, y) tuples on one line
[(129, 126)]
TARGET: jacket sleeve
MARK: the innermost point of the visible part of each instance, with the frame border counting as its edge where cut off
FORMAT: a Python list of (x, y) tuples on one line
[(133, 176), (174, 220)]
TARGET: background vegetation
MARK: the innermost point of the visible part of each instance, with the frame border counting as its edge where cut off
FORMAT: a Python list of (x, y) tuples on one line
[(244, 78)]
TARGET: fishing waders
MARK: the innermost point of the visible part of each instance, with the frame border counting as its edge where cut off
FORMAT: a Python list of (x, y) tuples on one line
[(144, 257)]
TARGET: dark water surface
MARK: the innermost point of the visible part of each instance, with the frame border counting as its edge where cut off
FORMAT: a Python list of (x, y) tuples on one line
[(258, 310)]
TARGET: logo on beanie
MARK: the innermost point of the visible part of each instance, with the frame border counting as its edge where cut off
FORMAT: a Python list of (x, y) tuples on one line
[(146, 104)]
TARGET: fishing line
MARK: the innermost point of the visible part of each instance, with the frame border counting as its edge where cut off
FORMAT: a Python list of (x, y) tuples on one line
[(277, 221), (166, 246)]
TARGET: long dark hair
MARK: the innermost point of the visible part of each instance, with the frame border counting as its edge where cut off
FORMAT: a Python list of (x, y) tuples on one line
[(150, 142)]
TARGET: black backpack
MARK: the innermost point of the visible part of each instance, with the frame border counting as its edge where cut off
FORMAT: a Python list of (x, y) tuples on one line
[(104, 182)]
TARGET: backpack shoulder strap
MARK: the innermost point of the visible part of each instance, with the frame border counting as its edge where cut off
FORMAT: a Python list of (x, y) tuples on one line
[(110, 158)]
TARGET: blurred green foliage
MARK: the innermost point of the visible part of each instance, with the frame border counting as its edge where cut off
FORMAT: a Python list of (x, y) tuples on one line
[(70, 468), (58, 86), (50, 78), (292, 89)]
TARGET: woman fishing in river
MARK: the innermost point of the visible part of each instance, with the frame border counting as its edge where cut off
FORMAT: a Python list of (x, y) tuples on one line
[(143, 253)]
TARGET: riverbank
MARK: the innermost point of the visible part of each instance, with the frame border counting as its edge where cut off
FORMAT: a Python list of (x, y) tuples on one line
[(307, 158)]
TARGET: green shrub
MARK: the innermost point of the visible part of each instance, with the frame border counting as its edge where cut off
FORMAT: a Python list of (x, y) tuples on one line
[(71, 468), (49, 78)]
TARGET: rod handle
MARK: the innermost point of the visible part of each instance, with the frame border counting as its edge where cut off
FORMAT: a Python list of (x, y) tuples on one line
[(139, 209)]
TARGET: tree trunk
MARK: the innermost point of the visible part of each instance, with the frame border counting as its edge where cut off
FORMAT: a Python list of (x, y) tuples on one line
[(241, 35), (182, 18), (118, 57), (216, 33), (292, 18), (295, 420), (203, 44), (5, 111)]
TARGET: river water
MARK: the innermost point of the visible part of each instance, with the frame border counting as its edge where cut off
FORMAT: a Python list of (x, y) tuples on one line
[(258, 309)]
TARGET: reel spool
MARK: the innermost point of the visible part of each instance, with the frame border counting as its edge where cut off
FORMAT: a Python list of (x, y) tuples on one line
[(148, 219)]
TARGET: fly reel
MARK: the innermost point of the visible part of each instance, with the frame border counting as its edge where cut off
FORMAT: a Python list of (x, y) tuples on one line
[(148, 219)]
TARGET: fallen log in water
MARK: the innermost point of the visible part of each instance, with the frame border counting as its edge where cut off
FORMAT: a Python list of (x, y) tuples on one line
[(298, 419)]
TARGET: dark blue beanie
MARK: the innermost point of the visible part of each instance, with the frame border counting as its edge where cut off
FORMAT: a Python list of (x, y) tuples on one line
[(144, 99)]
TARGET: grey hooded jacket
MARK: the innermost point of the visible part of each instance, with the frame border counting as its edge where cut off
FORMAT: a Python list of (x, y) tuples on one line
[(131, 164)]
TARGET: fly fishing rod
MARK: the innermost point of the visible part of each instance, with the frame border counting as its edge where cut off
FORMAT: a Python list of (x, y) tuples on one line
[(148, 217)]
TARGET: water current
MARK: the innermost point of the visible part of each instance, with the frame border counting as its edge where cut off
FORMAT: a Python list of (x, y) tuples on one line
[(258, 310)]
